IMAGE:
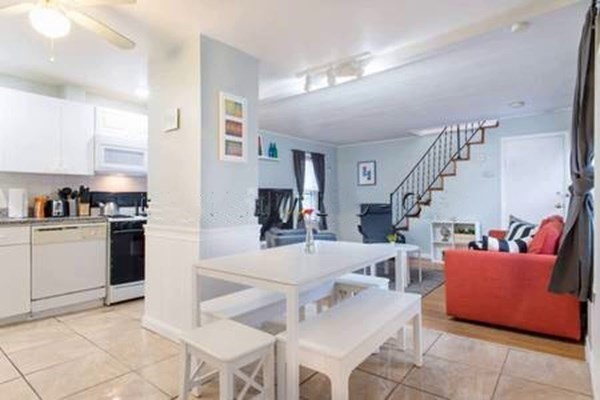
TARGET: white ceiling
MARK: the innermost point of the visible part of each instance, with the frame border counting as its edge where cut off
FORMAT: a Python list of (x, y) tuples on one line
[(475, 80), (289, 36)]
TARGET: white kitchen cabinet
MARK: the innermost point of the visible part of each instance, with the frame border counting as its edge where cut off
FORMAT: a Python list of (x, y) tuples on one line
[(46, 135), (31, 132), (15, 271), (123, 124), (77, 140)]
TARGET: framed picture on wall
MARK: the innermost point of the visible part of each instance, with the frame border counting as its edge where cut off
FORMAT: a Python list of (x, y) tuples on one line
[(233, 128), (367, 173)]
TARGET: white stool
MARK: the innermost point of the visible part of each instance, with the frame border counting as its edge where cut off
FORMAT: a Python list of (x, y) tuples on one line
[(229, 346)]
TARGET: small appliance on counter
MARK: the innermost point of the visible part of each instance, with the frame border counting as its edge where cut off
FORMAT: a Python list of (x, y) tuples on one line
[(18, 205), (55, 209)]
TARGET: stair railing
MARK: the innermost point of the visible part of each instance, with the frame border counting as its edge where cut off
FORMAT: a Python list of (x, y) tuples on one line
[(450, 145)]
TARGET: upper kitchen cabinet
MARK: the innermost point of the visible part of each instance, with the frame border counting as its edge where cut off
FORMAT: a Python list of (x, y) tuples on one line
[(110, 122), (45, 135), (121, 142), (77, 147), (30, 132)]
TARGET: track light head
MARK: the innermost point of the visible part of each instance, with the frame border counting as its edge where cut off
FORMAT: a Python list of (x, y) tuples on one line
[(307, 83), (331, 78)]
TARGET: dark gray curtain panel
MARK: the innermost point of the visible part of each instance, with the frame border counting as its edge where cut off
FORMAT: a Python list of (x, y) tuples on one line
[(574, 265), (299, 169), (318, 161)]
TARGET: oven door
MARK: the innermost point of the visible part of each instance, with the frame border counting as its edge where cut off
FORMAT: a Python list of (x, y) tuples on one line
[(127, 251)]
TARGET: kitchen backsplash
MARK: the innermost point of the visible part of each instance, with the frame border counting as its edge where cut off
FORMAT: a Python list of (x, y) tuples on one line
[(37, 184)]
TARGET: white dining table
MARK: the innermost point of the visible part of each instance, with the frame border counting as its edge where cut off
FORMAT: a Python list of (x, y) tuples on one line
[(289, 270)]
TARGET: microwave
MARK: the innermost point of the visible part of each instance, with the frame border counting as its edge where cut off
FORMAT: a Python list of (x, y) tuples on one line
[(127, 156)]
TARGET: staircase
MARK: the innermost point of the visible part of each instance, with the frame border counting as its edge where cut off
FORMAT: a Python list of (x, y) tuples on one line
[(452, 146)]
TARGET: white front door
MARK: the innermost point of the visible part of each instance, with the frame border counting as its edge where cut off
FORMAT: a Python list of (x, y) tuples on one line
[(534, 173)]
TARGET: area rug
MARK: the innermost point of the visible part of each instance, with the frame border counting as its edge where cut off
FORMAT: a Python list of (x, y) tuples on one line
[(432, 279)]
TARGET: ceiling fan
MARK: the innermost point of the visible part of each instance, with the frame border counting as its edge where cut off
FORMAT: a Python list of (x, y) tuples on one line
[(53, 18)]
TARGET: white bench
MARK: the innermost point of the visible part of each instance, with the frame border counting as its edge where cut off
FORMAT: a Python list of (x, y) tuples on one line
[(334, 344), (255, 306), (350, 284)]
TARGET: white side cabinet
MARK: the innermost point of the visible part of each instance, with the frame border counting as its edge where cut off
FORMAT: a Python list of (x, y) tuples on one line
[(451, 234), (15, 271)]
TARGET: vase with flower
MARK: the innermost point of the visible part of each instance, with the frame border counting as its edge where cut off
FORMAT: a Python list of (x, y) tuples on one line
[(310, 224)]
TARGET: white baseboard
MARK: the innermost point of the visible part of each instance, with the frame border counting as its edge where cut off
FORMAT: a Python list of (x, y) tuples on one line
[(594, 369), (162, 329)]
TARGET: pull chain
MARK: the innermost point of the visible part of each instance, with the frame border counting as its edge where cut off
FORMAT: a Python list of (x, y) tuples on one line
[(52, 58)]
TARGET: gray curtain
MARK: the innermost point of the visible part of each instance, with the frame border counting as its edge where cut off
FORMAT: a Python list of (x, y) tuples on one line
[(299, 168), (573, 270), (318, 161)]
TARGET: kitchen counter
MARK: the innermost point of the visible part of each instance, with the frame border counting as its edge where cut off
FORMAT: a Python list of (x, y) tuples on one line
[(5, 221)]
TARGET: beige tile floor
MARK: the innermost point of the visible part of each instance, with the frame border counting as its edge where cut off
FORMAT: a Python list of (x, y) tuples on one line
[(105, 354)]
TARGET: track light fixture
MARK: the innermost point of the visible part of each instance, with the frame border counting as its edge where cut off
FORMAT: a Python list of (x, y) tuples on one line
[(348, 68)]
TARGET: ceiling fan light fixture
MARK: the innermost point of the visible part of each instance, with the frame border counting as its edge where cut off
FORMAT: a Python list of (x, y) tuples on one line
[(50, 22)]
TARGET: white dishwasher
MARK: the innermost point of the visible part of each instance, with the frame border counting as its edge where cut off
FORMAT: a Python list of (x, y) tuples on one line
[(68, 265)]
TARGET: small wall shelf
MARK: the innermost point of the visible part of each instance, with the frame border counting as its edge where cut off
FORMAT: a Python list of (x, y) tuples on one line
[(268, 158), (447, 235), (264, 149)]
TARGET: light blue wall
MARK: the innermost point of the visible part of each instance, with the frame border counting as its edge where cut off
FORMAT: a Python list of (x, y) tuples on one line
[(280, 174), (228, 189), (474, 194)]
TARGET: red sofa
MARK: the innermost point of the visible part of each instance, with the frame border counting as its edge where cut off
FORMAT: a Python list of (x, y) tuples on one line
[(509, 290)]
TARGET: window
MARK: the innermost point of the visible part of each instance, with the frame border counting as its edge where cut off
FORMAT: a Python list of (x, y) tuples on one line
[(311, 189)]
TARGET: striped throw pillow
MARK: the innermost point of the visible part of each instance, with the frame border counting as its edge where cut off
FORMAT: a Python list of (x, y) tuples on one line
[(518, 229), (488, 243)]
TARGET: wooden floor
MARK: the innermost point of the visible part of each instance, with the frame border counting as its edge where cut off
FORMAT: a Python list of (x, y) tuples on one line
[(434, 317)]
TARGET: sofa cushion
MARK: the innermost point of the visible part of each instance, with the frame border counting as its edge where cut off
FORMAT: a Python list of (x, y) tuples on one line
[(488, 243), (547, 238), (519, 229)]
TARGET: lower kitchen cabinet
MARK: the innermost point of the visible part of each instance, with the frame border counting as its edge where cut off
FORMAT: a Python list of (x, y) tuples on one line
[(15, 271)]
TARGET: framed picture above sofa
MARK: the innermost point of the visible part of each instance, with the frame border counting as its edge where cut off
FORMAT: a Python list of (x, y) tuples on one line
[(367, 173)]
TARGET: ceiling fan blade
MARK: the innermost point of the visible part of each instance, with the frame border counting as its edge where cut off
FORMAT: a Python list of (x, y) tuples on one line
[(16, 8), (97, 27), (86, 3)]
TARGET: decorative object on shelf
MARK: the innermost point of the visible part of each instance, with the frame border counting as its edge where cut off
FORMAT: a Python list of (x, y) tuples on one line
[(273, 152), (171, 120), (446, 233), (267, 151), (367, 173), (233, 128), (310, 223)]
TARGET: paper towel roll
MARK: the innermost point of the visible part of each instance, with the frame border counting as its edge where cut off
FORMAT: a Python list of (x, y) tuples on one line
[(17, 203)]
